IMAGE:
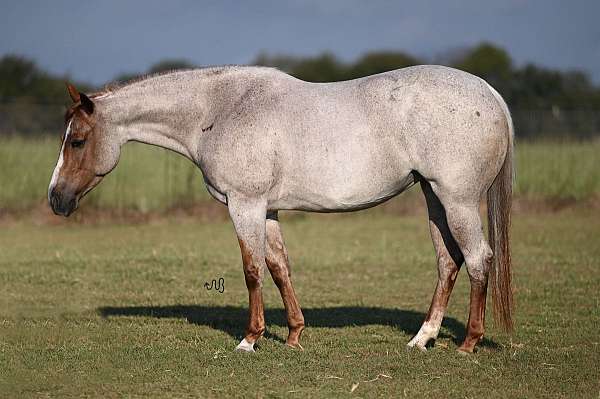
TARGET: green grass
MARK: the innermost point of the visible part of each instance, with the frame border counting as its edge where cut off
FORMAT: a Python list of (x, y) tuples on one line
[(149, 178), (558, 170), (120, 310)]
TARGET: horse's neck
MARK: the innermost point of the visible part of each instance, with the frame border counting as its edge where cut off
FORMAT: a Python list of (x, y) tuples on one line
[(165, 113), (162, 135)]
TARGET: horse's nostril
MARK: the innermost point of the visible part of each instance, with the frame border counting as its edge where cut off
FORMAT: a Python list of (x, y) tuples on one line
[(53, 201), (56, 200)]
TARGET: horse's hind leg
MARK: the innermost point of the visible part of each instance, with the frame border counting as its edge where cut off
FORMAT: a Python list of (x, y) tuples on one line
[(279, 266), (465, 224), (248, 216), (449, 260)]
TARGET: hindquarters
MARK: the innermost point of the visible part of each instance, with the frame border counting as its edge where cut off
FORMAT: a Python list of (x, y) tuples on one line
[(459, 173), (488, 169)]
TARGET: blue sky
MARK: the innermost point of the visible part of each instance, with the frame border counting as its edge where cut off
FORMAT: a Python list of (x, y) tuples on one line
[(95, 41)]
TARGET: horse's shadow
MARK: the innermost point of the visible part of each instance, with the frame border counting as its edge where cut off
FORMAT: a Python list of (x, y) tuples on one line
[(232, 319)]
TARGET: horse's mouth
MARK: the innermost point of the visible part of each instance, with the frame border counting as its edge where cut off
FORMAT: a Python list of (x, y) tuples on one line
[(61, 206), (65, 204)]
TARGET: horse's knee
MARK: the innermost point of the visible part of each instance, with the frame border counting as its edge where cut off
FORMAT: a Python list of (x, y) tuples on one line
[(253, 275), (277, 262), (278, 269), (447, 268), (275, 245), (274, 237), (253, 270)]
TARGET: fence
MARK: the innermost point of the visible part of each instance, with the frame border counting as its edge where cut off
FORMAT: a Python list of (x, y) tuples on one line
[(555, 122), (149, 178), (33, 119)]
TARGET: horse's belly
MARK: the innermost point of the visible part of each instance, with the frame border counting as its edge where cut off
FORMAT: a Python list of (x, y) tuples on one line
[(344, 195)]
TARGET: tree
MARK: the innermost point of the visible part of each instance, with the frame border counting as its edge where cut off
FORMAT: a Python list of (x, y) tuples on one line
[(381, 61), (170, 65), (17, 76), (322, 68), (541, 88), (491, 63), (286, 63), (20, 78), (166, 65)]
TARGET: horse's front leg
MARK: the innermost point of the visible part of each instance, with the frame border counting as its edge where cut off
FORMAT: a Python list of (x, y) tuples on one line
[(248, 216), (279, 266)]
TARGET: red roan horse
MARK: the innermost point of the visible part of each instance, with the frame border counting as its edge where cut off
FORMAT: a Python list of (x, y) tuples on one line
[(266, 141)]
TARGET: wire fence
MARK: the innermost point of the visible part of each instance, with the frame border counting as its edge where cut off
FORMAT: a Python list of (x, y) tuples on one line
[(149, 178), (35, 119), (556, 122)]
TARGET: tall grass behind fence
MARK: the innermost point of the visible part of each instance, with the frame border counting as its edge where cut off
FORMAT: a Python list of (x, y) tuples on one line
[(146, 178), (16, 118), (149, 178), (558, 170)]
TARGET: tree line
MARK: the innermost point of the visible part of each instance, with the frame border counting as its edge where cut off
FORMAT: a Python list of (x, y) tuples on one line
[(543, 100)]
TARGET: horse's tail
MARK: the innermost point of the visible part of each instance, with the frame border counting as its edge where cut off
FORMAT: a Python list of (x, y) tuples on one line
[(499, 200)]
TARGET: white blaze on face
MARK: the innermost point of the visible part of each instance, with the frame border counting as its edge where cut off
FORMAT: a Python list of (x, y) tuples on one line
[(60, 162)]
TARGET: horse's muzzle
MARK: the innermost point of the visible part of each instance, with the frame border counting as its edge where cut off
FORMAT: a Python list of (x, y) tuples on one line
[(62, 204)]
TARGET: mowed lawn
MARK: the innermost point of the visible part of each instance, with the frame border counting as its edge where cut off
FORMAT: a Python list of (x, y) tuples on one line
[(120, 310)]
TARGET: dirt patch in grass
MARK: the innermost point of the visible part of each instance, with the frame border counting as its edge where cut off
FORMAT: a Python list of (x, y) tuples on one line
[(207, 211)]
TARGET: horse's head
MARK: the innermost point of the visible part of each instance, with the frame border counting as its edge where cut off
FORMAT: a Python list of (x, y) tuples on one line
[(88, 152)]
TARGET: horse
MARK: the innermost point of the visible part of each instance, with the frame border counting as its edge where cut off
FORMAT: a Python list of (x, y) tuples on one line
[(266, 141)]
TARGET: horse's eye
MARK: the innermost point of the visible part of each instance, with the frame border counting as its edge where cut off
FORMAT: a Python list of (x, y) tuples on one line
[(77, 143)]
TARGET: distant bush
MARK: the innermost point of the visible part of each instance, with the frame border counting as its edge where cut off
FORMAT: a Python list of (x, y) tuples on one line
[(543, 101)]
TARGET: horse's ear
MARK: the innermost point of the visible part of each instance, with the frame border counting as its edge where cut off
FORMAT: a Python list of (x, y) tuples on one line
[(73, 92), (87, 105)]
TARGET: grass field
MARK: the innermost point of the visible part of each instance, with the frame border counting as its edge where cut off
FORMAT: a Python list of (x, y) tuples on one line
[(149, 178), (120, 311)]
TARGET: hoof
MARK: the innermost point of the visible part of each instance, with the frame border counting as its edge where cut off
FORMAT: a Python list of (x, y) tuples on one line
[(294, 345), (245, 346), (464, 352), (467, 347), (411, 346), (419, 342)]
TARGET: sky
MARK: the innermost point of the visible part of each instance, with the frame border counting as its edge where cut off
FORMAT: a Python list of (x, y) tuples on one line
[(94, 41)]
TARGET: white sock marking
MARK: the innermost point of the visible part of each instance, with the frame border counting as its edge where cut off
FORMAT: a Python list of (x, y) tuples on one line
[(245, 346), (429, 330)]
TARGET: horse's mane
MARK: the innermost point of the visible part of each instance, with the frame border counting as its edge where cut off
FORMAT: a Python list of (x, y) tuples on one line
[(116, 85), (206, 71), (112, 87)]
